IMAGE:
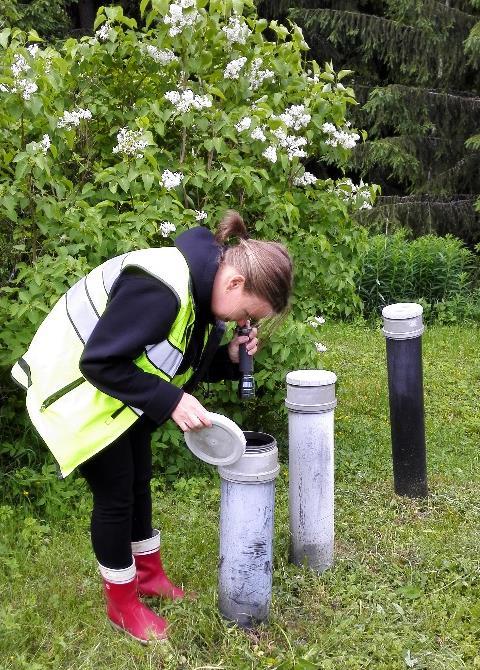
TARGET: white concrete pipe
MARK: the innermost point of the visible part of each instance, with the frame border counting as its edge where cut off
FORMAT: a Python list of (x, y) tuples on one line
[(311, 402), (246, 532)]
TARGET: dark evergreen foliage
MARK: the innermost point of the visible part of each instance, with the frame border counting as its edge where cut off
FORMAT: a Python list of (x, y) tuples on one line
[(58, 18), (417, 80)]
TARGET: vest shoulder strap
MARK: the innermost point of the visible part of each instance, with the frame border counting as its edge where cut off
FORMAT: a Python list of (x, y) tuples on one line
[(166, 264)]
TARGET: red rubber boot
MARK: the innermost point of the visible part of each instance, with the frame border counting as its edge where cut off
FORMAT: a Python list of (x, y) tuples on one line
[(124, 609), (152, 580)]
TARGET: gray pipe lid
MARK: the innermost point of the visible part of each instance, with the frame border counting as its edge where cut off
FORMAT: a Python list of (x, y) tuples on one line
[(221, 444), (402, 321), (311, 391), (259, 463)]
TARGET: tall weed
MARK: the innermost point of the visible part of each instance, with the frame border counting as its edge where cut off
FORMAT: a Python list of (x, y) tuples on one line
[(432, 270)]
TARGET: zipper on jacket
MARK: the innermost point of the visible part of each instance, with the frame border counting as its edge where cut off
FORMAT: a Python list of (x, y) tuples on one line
[(59, 394)]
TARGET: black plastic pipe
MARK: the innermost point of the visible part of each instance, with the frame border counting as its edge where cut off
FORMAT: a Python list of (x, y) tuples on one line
[(403, 328)]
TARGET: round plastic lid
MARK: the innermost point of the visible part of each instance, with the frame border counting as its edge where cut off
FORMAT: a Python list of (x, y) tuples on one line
[(311, 378), (402, 310), (222, 444)]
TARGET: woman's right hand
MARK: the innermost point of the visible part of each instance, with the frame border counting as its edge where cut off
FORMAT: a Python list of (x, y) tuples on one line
[(189, 414)]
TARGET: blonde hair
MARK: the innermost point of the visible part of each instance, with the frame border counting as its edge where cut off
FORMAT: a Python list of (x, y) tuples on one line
[(266, 266)]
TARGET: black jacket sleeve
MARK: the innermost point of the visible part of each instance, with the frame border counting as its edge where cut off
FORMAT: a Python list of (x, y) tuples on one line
[(140, 311), (222, 367)]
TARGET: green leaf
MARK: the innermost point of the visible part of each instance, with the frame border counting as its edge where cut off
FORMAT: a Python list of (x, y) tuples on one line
[(218, 144), (143, 6), (4, 35), (216, 91), (261, 25), (161, 6), (343, 73), (147, 181), (100, 18), (9, 203), (33, 36), (151, 16), (114, 13), (237, 6)]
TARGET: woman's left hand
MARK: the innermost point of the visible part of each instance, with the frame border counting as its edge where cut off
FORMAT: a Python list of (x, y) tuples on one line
[(251, 342)]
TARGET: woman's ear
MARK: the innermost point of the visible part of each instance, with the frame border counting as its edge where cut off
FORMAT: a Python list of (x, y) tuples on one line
[(235, 281)]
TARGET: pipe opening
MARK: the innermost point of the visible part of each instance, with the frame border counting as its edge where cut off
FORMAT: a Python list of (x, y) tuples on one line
[(259, 443)]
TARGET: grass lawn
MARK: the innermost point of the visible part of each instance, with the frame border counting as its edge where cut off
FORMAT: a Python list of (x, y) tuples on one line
[(404, 591)]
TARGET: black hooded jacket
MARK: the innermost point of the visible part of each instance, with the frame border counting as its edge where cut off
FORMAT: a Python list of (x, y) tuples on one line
[(141, 311)]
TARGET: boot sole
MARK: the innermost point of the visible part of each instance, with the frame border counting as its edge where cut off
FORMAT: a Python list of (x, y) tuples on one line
[(138, 639)]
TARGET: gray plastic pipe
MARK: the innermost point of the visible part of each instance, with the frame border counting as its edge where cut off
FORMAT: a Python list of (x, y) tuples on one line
[(246, 532), (403, 329), (311, 402)]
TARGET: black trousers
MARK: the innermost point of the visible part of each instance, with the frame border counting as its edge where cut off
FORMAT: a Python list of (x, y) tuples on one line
[(119, 478)]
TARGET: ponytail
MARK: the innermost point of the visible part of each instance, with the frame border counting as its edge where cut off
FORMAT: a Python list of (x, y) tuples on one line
[(231, 225), (266, 266)]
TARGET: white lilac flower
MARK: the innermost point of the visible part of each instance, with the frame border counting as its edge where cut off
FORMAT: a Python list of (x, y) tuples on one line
[(243, 124), (19, 65), (72, 119), (47, 62), (130, 143), (345, 139), (295, 117), (25, 87), (291, 143), (177, 19), (320, 347), (232, 71), (306, 179), (103, 33), (338, 136), (352, 193), (317, 321), (162, 56), (329, 128), (186, 99), (313, 78), (257, 76), (237, 31), (270, 154), (166, 227), (258, 134), (200, 215), (171, 179), (42, 146), (33, 49)]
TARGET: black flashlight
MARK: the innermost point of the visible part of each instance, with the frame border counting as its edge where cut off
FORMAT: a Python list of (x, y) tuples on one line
[(246, 385)]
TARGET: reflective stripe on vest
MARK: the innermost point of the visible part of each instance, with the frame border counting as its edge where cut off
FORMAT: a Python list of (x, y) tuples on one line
[(165, 357)]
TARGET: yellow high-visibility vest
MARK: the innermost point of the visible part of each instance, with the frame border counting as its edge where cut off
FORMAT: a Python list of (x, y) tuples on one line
[(74, 418)]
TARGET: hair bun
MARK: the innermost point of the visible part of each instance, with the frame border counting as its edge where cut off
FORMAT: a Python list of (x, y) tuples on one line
[(231, 225)]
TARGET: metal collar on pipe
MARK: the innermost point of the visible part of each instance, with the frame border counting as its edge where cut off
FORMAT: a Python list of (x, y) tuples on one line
[(402, 321), (259, 462), (311, 391)]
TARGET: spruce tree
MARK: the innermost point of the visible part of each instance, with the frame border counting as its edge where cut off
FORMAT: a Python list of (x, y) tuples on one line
[(417, 80)]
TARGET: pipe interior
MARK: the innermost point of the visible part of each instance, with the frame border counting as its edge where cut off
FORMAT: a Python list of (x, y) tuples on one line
[(259, 443)]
